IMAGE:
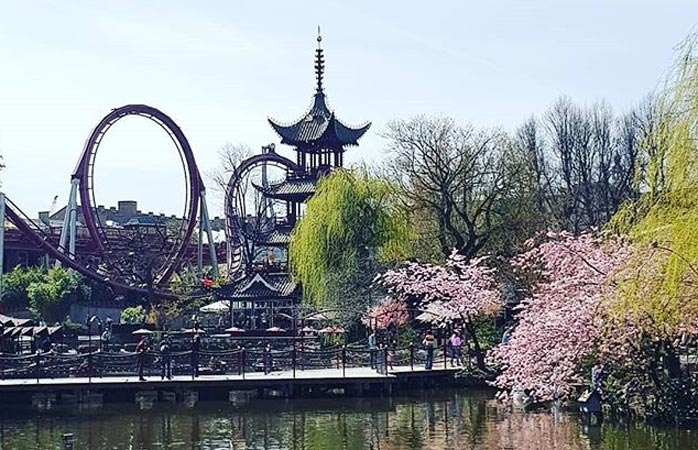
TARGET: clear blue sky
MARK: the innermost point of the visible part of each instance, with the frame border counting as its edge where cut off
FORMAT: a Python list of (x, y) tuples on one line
[(220, 68)]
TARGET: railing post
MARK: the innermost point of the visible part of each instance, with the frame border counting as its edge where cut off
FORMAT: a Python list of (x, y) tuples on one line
[(445, 353), (412, 357), (89, 366), (2, 366), (38, 362), (244, 361), (385, 360), (344, 361), (240, 362), (293, 361)]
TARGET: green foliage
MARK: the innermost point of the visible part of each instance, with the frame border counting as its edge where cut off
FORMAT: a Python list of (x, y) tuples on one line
[(487, 333), (407, 336), (49, 297), (661, 282), (352, 217), (46, 294), (15, 284), (133, 315)]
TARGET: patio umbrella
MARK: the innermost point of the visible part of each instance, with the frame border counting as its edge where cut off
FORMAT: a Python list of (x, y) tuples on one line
[(194, 331), (327, 330), (234, 330), (339, 330), (307, 329), (142, 331), (276, 330)]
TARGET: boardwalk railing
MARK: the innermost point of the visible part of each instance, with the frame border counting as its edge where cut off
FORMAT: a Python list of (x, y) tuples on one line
[(234, 362)]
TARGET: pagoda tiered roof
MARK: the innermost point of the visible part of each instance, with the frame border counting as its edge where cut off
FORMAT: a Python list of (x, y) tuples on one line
[(299, 188), (319, 129)]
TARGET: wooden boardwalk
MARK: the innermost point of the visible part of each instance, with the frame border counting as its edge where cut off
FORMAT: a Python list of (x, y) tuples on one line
[(319, 378)]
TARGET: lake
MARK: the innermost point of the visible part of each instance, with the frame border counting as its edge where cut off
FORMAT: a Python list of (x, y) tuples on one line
[(449, 419)]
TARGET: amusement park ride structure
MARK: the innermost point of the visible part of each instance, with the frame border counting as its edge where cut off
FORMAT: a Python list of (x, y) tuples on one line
[(319, 140)]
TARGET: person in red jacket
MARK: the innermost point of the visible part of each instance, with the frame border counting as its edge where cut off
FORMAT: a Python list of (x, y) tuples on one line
[(141, 348)]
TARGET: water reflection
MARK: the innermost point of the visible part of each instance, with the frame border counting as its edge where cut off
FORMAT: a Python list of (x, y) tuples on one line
[(429, 420)]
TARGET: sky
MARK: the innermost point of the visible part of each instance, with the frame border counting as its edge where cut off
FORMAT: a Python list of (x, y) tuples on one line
[(221, 68)]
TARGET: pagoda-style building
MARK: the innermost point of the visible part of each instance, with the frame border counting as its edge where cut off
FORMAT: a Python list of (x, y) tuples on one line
[(319, 139)]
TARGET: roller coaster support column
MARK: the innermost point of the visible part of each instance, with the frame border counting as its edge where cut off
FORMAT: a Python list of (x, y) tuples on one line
[(205, 224), (2, 237), (70, 221)]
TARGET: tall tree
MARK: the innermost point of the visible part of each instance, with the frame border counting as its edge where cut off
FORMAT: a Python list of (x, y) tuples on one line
[(453, 174), (352, 226), (593, 159), (662, 222)]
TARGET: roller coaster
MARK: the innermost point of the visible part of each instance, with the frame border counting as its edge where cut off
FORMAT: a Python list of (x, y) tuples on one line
[(106, 258)]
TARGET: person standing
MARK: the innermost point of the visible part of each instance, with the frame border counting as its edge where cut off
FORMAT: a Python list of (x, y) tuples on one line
[(166, 355), (456, 343), (506, 335), (372, 348), (195, 349), (141, 349), (429, 342)]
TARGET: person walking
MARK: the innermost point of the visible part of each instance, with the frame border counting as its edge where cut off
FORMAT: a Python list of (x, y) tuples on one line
[(372, 348), (141, 349), (166, 356), (456, 343), (195, 349), (429, 342)]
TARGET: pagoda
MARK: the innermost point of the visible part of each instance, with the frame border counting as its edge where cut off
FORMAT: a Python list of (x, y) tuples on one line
[(319, 139)]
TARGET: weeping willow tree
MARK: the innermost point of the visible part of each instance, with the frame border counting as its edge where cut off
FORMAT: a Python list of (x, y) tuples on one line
[(661, 287), (353, 226)]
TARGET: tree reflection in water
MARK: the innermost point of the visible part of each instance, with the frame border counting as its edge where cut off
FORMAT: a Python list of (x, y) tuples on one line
[(429, 420)]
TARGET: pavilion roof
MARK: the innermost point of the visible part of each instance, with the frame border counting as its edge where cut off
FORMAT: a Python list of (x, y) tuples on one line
[(261, 286)]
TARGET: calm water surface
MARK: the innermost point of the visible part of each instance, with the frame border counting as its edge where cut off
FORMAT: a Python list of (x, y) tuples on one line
[(428, 420)]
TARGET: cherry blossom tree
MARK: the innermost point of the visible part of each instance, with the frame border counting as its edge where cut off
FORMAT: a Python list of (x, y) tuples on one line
[(391, 312), (455, 293), (562, 321)]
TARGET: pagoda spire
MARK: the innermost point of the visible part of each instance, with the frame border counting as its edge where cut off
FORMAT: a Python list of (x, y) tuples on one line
[(319, 63)]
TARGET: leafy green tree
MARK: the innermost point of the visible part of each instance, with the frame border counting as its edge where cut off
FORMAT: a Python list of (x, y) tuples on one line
[(662, 223), (15, 284), (133, 315), (353, 225), (46, 294), (50, 296)]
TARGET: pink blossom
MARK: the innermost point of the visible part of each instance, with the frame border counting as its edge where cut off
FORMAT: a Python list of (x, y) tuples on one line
[(457, 291), (562, 320)]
